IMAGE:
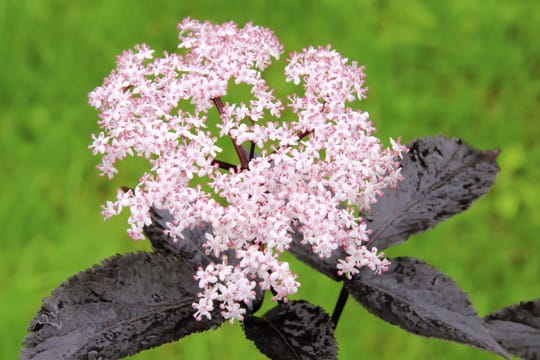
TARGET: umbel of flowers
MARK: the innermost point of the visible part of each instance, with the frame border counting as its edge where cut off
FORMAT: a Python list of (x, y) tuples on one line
[(307, 177), (312, 171)]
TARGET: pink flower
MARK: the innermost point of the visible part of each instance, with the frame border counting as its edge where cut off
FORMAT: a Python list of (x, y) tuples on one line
[(312, 171)]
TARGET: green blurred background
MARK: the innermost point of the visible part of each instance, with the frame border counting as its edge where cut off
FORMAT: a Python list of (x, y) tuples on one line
[(464, 68)]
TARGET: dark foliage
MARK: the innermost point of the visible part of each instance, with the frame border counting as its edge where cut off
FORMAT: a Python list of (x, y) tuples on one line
[(517, 328), (424, 301), (442, 177), (293, 330), (137, 301), (129, 303)]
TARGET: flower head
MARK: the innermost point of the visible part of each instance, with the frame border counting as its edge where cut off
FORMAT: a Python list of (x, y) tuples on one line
[(314, 172)]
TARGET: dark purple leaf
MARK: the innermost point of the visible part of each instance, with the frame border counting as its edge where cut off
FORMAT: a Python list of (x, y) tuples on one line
[(517, 328), (442, 177), (424, 301), (128, 304), (293, 330)]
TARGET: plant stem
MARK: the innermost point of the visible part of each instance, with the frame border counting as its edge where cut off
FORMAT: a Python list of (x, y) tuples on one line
[(223, 165), (342, 300), (252, 151), (239, 151), (302, 135)]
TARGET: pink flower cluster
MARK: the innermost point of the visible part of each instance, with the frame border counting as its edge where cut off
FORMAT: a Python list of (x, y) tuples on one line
[(313, 172)]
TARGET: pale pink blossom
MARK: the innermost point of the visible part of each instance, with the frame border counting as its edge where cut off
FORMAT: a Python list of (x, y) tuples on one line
[(312, 170)]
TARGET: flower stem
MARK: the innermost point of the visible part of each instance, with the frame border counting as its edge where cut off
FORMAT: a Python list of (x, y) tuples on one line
[(302, 135), (342, 300), (252, 151), (239, 151), (223, 165)]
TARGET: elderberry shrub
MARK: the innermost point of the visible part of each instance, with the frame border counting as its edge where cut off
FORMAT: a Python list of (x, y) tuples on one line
[(309, 177)]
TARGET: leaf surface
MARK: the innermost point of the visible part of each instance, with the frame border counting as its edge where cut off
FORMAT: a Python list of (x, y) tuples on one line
[(517, 328), (293, 330), (127, 304), (424, 301), (442, 177)]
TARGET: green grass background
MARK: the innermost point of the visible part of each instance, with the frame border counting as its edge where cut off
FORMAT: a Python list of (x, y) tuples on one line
[(464, 68)]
